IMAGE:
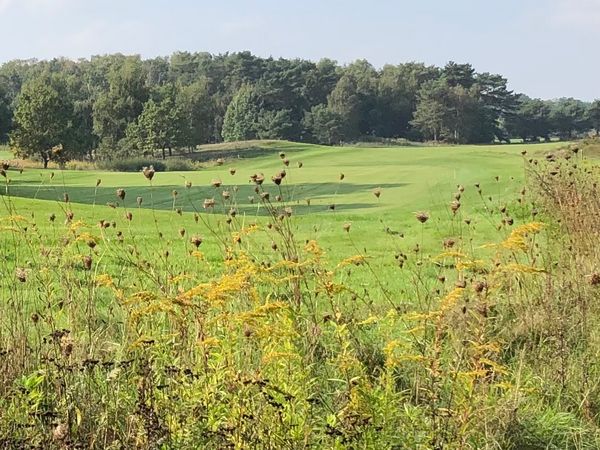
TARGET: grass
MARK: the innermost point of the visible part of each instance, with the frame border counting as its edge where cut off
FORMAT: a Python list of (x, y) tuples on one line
[(287, 325), (5, 153), (410, 180)]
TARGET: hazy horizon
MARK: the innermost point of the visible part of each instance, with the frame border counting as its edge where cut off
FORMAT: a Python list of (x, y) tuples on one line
[(544, 50)]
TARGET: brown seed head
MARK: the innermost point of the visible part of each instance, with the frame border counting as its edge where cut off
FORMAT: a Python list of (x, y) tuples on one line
[(449, 243), (216, 183), (87, 262), (121, 194), (347, 226), (422, 217), (208, 203), (226, 195), (232, 170), (479, 286), (139, 201), (196, 241), (257, 178), (21, 274), (455, 206), (60, 432), (148, 172), (377, 192), (219, 161)]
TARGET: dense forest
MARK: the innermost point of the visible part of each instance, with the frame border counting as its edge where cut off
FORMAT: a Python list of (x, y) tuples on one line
[(119, 106)]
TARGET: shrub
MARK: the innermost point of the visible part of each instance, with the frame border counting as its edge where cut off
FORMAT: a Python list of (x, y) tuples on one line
[(181, 165), (133, 165)]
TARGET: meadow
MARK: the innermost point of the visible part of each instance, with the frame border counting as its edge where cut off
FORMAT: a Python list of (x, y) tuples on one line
[(392, 297)]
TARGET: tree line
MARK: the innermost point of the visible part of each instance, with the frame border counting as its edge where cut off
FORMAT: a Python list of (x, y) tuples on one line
[(117, 106)]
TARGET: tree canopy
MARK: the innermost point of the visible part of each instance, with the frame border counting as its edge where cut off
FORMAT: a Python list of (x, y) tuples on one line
[(114, 105)]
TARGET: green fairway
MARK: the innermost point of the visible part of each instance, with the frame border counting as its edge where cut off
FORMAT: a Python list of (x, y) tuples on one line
[(409, 179)]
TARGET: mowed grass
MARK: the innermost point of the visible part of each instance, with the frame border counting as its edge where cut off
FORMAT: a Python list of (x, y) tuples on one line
[(334, 187)]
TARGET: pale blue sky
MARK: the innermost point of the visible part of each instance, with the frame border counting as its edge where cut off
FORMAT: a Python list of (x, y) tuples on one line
[(546, 48)]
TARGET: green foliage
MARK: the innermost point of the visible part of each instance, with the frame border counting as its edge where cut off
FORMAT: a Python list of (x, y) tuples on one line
[(123, 106), (324, 125), (120, 105), (133, 164), (159, 126), (180, 165), (593, 115), (44, 120), (242, 114)]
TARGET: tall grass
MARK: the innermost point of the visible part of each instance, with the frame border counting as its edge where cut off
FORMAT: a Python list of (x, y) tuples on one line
[(108, 341)]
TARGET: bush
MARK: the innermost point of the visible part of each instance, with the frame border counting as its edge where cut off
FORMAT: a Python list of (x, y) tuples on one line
[(181, 165), (133, 165)]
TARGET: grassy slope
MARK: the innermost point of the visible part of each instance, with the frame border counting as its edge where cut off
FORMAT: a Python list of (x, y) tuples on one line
[(411, 180)]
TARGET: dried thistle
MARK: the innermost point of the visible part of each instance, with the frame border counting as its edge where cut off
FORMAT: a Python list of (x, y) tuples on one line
[(87, 262), (21, 274), (139, 201), (422, 217), (208, 203), (196, 241), (226, 195), (121, 194), (60, 432), (148, 172), (347, 226), (232, 170), (455, 206), (377, 192)]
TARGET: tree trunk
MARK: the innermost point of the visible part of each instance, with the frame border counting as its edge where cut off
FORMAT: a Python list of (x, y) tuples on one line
[(164, 156), (170, 151), (45, 160)]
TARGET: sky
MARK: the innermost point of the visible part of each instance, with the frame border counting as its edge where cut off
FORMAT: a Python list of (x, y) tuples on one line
[(546, 48)]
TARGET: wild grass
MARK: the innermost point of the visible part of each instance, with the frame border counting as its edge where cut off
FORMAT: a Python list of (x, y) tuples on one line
[(205, 326)]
